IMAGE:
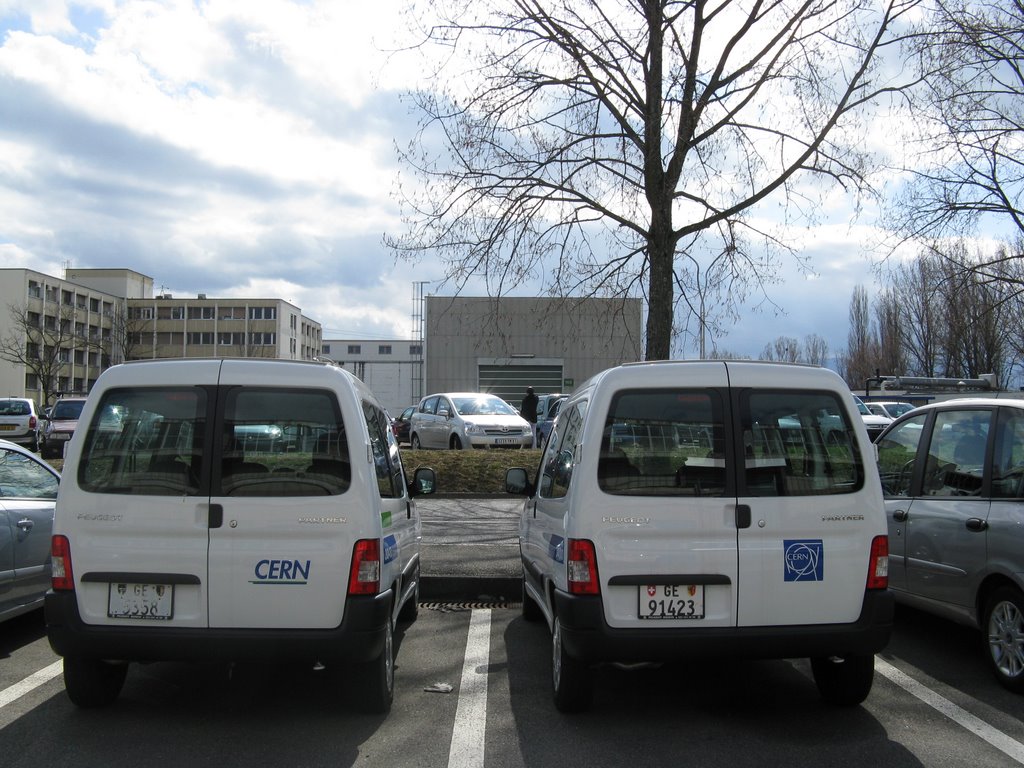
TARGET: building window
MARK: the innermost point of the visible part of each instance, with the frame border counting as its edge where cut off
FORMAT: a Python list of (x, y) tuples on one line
[(263, 313), (262, 339), (34, 290), (94, 305), (141, 313), (383, 349), (197, 337), (415, 349), (355, 349), (325, 349)]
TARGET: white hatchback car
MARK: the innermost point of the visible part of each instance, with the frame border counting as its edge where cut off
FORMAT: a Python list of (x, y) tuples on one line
[(468, 420), (234, 510), (707, 509)]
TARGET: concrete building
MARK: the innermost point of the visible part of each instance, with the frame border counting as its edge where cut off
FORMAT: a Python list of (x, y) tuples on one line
[(392, 368), (73, 328), (503, 345)]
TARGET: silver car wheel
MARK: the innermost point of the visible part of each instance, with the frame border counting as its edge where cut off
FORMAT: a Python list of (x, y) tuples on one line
[(1006, 638)]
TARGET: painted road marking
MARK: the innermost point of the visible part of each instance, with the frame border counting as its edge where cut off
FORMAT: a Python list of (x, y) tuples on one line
[(1005, 744), (30, 683), (467, 749)]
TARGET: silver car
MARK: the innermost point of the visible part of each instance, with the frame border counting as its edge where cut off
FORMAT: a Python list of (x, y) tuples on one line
[(28, 493), (953, 477), (468, 420)]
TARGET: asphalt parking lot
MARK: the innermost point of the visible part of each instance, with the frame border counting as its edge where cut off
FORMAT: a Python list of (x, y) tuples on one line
[(470, 548)]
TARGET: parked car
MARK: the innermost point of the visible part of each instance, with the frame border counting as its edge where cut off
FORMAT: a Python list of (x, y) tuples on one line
[(872, 422), (468, 420), (400, 425), (28, 492), (547, 410), (890, 409), (20, 421), (953, 478), (60, 426), (179, 538), (694, 509)]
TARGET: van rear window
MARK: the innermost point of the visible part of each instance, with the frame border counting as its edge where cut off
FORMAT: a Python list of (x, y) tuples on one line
[(678, 443), (663, 443), (145, 441)]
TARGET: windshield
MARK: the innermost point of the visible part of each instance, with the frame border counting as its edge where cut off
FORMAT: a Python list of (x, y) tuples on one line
[(862, 409), (486, 405)]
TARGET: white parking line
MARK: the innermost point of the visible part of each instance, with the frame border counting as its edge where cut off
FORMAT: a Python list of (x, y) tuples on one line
[(467, 749), (1005, 744), (30, 683)]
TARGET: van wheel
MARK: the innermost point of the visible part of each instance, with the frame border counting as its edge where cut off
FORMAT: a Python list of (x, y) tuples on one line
[(455, 444), (844, 680), (375, 680), (570, 677), (531, 611), (93, 682), (1004, 628), (414, 442)]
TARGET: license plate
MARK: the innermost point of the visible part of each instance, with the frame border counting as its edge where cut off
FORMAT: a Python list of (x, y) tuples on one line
[(7, 427), (506, 440), (671, 601), (140, 601)]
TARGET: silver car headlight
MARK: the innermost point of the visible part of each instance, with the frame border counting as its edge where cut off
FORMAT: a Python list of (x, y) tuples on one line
[(474, 429)]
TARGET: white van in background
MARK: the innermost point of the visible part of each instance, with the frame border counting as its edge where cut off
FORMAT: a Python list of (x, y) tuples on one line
[(719, 509), (233, 510)]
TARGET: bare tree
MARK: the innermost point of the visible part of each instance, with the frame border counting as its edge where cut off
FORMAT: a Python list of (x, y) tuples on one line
[(816, 350), (584, 140), (785, 349), (40, 343), (860, 361), (970, 55)]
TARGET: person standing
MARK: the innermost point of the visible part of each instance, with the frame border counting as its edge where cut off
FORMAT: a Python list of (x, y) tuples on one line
[(528, 410)]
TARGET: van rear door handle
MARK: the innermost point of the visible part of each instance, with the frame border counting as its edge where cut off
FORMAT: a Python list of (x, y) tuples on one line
[(216, 515), (900, 515), (976, 524), (743, 516)]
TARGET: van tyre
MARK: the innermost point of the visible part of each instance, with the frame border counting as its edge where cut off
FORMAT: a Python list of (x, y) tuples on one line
[(1004, 634), (375, 680), (93, 682), (844, 680), (570, 678), (455, 444), (414, 442)]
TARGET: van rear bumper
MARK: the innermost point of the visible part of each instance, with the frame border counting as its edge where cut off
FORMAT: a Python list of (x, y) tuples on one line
[(359, 637), (587, 637)]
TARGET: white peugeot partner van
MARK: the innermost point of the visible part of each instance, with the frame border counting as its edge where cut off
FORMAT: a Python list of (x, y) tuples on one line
[(232, 510), (702, 508)]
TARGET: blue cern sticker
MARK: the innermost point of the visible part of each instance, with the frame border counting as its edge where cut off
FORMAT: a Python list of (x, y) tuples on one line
[(556, 549), (805, 560), (390, 548)]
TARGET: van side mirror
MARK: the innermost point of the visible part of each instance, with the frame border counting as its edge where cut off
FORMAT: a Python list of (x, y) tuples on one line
[(424, 482), (517, 482)]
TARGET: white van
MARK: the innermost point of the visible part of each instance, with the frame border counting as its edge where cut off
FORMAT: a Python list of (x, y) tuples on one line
[(233, 510), (719, 508)]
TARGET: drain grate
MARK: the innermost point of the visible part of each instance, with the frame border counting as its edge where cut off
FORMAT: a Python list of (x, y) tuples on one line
[(456, 607)]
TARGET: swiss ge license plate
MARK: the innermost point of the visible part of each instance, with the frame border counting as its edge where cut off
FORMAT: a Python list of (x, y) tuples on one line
[(671, 601), (140, 601)]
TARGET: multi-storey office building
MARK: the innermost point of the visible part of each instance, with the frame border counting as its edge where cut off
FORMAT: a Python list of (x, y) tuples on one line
[(59, 334)]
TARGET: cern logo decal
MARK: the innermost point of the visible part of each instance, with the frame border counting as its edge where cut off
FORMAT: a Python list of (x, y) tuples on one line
[(805, 560)]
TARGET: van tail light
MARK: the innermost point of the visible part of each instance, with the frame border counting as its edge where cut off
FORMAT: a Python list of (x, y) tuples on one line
[(581, 567), (61, 579), (32, 422), (878, 571), (364, 578)]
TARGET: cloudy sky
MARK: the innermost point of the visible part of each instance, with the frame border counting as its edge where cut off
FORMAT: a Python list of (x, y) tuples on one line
[(246, 148)]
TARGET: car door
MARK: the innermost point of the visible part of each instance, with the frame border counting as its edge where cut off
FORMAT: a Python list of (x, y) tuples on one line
[(804, 546), (426, 423), (280, 557), (946, 523), (28, 492), (898, 450)]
